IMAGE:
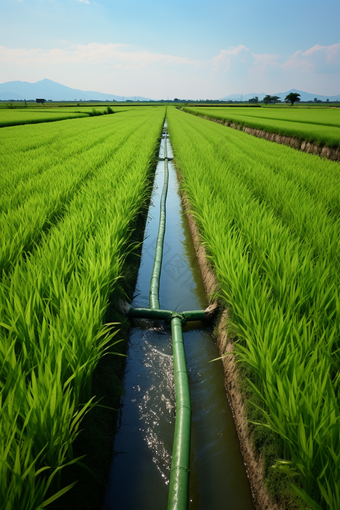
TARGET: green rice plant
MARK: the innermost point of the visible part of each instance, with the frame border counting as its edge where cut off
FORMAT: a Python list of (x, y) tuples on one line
[(32, 205), (323, 186), (324, 117), (52, 307), (45, 148), (26, 116), (22, 116), (318, 126), (278, 274)]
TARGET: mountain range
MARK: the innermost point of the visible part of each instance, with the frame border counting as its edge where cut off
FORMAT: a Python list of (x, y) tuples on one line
[(51, 90)]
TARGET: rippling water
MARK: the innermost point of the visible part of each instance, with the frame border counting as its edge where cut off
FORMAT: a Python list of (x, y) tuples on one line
[(142, 452)]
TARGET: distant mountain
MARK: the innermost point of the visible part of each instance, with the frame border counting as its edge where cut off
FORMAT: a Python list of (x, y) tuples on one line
[(305, 96), (48, 89), (245, 97)]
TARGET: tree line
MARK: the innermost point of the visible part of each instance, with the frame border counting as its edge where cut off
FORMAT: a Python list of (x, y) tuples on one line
[(292, 98)]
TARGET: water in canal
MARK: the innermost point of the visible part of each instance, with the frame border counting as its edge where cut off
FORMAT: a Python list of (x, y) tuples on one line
[(141, 463)]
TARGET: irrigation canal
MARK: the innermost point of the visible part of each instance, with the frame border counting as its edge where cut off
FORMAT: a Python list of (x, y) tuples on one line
[(141, 463)]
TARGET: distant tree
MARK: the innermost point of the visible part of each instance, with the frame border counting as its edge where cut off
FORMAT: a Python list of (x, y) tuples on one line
[(292, 98), (41, 101), (254, 100), (270, 99)]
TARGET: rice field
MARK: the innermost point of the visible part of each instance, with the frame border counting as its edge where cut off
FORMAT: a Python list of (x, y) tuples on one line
[(71, 193), (17, 117), (269, 218), (321, 126)]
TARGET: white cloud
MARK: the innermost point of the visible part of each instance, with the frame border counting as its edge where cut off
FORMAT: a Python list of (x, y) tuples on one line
[(119, 68), (226, 58), (265, 65), (84, 1), (95, 53), (320, 59), (242, 69), (128, 70)]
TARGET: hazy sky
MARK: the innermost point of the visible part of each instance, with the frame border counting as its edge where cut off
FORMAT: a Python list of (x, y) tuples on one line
[(185, 49)]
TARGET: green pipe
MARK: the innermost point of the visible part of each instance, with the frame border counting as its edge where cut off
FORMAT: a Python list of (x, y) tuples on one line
[(165, 146), (156, 271), (179, 474), (180, 464), (147, 313), (167, 315), (195, 315)]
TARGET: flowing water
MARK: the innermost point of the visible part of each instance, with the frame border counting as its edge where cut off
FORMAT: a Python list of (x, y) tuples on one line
[(141, 463)]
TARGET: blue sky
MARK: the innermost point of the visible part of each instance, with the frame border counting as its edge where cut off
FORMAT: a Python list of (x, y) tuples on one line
[(189, 49)]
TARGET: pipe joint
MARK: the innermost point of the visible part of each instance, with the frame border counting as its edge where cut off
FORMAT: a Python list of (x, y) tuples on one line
[(179, 316)]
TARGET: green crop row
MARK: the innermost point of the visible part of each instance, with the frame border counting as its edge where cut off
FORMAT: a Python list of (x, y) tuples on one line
[(53, 305), (318, 126), (14, 117), (325, 117), (35, 194), (268, 216)]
